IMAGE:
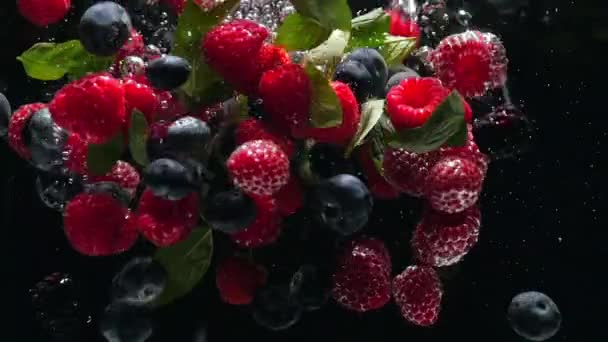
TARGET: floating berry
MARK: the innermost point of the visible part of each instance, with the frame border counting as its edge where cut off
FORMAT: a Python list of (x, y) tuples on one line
[(104, 28), (413, 101), (172, 179), (44, 12), (252, 129), (237, 280), (17, 123), (273, 308), (264, 230), (403, 25), (168, 72), (141, 97), (534, 316), (134, 46), (408, 171), (123, 174), (417, 292), (230, 211), (140, 282), (5, 115)]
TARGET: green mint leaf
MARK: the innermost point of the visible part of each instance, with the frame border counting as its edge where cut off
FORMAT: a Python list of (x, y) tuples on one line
[(330, 52), (377, 18), (331, 14), (395, 49), (446, 122), (192, 25), (138, 135), (370, 30), (371, 112), (102, 157), (301, 33), (326, 110), (52, 61), (186, 264)]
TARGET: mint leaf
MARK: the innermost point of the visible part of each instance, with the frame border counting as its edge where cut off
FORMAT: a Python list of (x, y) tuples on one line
[(326, 110), (371, 112), (192, 25), (331, 51), (331, 14), (138, 135), (186, 264), (395, 49), (446, 122), (301, 33), (52, 61), (102, 157), (377, 18), (370, 30)]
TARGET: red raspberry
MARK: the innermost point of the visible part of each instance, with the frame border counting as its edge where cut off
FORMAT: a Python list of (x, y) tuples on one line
[(93, 107), (471, 62), (177, 5), (165, 222), (402, 25), (259, 167), (412, 102), (134, 46), (18, 122), (229, 48), (75, 154), (252, 129), (170, 107), (96, 225), (44, 12), (342, 134), (470, 151), (287, 93), (454, 184), (361, 281), (141, 97), (377, 184), (408, 171), (270, 57), (266, 228), (123, 174), (291, 197), (444, 239), (417, 292), (237, 279)]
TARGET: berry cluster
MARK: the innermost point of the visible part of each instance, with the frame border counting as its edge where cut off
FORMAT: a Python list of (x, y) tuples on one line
[(248, 176)]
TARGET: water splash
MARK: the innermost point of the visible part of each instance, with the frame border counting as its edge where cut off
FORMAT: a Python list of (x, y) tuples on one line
[(269, 13)]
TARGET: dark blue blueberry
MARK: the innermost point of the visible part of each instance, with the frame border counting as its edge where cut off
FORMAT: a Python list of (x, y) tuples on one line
[(124, 323), (534, 316), (273, 308), (188, 136), (45, 140), (168, 72), (358, 78), (342, 203), (309, 287), (55, 190), (140, 282), (104, 28), (5, 115), (399, 77), (172, 179), (375, 65), (230, 211)]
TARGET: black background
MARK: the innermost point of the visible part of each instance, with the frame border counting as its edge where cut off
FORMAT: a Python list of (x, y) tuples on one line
[(544, 219)]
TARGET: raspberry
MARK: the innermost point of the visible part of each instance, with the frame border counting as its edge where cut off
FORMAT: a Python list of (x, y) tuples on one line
[(17, 124), (361, 281), (44, 12), (252, 129), (291, 197), (229, 48), (123, 174), (170, 108), (408, 171), (342, 134), (259, 167), (270, 57), (286, 92), (454, 184), (417, 292), (141, 97), (75, 154), (266, 228), (237, 280), (443, 239), (469, 151), (93, 107), (377, 184), (96, 225), (401, 25), (471, 62), (412, 102), (134, 46), (166, 222)]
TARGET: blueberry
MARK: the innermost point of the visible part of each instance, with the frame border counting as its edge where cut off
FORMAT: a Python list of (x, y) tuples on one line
[(188, 135), (56, 190), (140, 282), (172, 179), (342, 203), (45, 140), (273, 307), (375, 65), (124, 323), (309, 287), (168, 72), (399, 77), (358, 78), (5, 115), (104, 28), (534, 316), (230, 211)]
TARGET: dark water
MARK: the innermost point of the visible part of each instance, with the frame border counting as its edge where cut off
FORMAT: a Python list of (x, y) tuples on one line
[(543, 224)]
